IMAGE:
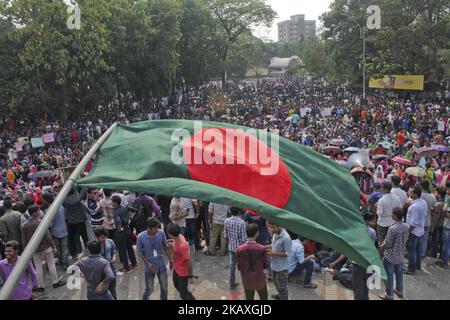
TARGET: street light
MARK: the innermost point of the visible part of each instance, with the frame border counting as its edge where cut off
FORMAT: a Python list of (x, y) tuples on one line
[(362, 31)]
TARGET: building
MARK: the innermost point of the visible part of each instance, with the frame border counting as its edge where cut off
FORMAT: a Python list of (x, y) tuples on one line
[(297, 27), (279, 66)]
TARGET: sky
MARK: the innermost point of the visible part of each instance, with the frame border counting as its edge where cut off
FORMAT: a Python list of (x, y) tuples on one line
[(286, 8)]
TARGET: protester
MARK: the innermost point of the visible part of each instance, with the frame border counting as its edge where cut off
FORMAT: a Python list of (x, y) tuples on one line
[(10, 224), (76, 226), (151, 246), (384, 210), (393, 248), (108, 252), (279, 250), (251, 261), (298, 262), (430, 199), (234, 230), (218, 213), (22, 289), (415, 219), (123, 236), (97, 273), (58, 230), (181, 262), (178, 214)]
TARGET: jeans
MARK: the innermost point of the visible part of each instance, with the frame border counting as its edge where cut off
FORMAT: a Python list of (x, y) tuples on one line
[(414, 257), (359, 282), (181, 284), (437, 241), (125, 249), (446, 246), (91, 295), (62, 251), (49, 258), (423, 242), (76, 230), (163, 283), (280, 279), (262, 293), (216, 232), (232, 268), (112, 283), (391, 270), (192, 232), (308, 266)]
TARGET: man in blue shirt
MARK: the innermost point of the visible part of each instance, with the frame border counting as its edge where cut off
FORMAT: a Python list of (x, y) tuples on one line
[(151, 245), (108, 251), (415, 219), (279, 251), (298, 262)]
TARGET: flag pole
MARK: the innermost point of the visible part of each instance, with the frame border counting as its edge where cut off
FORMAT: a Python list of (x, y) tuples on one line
[(42, 229)]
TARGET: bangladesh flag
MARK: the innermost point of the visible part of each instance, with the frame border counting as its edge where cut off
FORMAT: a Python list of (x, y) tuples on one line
[(285, 182)]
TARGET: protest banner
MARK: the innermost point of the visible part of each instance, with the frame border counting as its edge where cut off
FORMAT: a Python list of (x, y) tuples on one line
[(48, 137), (37, 142)]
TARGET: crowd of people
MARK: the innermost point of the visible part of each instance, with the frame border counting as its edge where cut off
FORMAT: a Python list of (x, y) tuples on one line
[(402, 169)]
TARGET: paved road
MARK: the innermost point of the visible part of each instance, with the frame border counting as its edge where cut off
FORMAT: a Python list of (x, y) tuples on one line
[(212, 284)]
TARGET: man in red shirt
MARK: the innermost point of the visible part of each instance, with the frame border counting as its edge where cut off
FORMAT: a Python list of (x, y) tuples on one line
[(251, 262), (181, 261)]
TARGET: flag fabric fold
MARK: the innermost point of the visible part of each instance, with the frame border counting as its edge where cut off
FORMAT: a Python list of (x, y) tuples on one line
[(309, 195)]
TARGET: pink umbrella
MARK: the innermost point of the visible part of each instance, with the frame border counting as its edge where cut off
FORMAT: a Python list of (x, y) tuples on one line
[(426, 152), (331, 150), (403, 161)]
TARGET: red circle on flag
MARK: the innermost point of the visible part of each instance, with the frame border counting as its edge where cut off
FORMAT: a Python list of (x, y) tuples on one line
[(235, 160)]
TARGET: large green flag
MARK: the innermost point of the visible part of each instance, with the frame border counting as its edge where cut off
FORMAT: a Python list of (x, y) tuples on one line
[(285, 182)]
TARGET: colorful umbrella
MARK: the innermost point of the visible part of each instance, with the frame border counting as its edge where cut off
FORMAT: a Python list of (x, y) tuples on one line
[(426, 152), (352, 149), (337, 142), (416, 171), (441, 148), (403, 161), (379, 156), (385, 144), (331, 150)]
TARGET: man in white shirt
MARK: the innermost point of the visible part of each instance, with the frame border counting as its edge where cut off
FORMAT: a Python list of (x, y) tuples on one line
[(191, 223), (415, 219), (397, 191), (123, 199), (216, 218), (384, 210), (430, 199)]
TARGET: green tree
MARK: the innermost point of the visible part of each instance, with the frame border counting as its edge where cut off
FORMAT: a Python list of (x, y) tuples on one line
[(233, 18)]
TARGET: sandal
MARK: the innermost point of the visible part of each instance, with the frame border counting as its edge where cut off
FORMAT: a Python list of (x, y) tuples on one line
[(310, 286)]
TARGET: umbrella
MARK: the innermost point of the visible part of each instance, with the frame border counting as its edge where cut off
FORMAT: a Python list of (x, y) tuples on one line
[(225, 116), (416, 171), (440, 148), (331, 150), (352, 149), (43, 174), (379, 156), (403, 161), (385, 144), (274, 120), (337, 142), (288, 119), (426, 152), (361, 170), (342, 162)]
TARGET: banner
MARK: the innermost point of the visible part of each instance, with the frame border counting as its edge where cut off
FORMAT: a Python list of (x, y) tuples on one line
[(398, 82), (23, 140), (48, 137), (327, 112), (37, 142)]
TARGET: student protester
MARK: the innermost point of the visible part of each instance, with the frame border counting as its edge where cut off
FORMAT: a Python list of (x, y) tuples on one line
[(27, 280), (108, 251), (251, 261), (151, 248), (279, 251), (181, 262), (234, 230), (97, 273)]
